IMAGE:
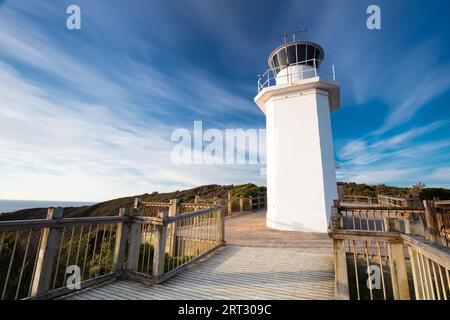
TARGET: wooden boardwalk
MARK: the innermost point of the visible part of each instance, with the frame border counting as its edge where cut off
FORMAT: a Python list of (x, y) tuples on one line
[(257, 263), (250, 230)]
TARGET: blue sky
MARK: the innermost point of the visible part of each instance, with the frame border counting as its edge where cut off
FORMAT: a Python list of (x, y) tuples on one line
[(88, 114)]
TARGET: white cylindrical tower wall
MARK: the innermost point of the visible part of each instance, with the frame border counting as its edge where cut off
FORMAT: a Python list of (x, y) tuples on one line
[(300, 163)]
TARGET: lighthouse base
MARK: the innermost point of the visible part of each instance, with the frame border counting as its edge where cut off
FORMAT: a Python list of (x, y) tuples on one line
[(291, 225)]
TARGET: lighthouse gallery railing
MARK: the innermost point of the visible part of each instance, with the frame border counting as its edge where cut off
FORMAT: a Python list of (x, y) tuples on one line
[(308, 69)]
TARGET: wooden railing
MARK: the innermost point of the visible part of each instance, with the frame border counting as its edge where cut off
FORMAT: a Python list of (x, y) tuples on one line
[(360, 199), (233, 204), (40, 259), (385, 201), (386, 253), (438, 219), (245, 204), (409, 202), (177, 237), (35, 254)]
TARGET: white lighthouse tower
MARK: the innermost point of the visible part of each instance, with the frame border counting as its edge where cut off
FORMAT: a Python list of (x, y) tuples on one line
[(297, 94)]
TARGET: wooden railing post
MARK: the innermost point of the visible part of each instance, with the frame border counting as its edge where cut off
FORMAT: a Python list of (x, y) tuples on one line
[(405, 203), (220, 224), (160, 246), (336, 220), (121, 242), (241, 204), (414, 227), (431, 230), (230, 204), (47, 253), (341, 285), (399, 276), (392, 224), (397, 264), (251, 203), (417, 278), (196, 200), (174, 210), (340, 191), (135, 238), (340, 266)]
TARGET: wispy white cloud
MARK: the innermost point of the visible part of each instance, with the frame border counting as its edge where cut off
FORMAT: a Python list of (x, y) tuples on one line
[(432, 84), (371, 148), (441, 175), (398, 69), (382, 175), (404, 158), (100, 127), (50, 148)]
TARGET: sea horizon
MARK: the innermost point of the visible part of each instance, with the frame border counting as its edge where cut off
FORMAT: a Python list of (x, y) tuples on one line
[(7, 205)]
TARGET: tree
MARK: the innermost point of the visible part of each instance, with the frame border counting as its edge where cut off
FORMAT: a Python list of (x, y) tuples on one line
[(416, 190)]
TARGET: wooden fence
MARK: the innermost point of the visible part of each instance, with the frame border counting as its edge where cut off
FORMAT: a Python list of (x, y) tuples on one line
[(389, 253), (35, 255), (385, 201), (243, 204), (360, 199), (408, 202), (233, 204)]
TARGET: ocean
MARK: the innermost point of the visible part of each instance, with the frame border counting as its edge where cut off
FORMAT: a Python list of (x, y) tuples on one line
[(14, 205)]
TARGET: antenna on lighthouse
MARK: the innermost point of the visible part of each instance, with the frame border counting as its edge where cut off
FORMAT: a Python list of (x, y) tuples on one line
[(301, 31)]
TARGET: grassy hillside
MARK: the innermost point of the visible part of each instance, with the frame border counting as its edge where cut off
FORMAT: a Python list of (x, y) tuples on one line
[(111, 207), (418, 190)]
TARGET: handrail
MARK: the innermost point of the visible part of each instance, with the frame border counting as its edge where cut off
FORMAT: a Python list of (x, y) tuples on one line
[(197, 205), (344, 234), (431, 250), (316, 70), (399, 209), (55, 223), (408, 202), (396, 198), (192, 214), (385, 249), (155, 204), (442, 202), (171, 219)]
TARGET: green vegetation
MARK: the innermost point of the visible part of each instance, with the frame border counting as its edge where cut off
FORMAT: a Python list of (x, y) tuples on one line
[(417, 190), (174, 262), (94, 256)]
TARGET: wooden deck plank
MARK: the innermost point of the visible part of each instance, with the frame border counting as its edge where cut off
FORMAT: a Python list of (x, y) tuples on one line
[(238, 273), (273, 265)]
